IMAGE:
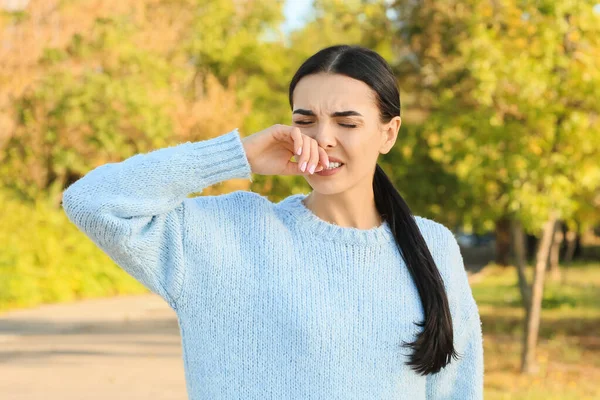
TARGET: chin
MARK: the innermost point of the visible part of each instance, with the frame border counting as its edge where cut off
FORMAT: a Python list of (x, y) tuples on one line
[(328, 188)]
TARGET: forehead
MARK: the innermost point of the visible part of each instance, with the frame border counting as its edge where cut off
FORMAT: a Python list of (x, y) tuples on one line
[(327, 93)]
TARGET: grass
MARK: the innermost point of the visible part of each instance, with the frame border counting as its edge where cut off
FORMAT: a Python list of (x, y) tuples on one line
[(568, 351)]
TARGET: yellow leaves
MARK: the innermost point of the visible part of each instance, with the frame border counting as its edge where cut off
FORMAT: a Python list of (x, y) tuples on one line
[(492, 187), (589, 175), (519, 163), (535, 148), (436, 154), (435, 49), (447, 146), (433, 139), (521, 42), (486, 11), (574, 36), (503, 173), (347, 19), (496, 120), (465, 166)]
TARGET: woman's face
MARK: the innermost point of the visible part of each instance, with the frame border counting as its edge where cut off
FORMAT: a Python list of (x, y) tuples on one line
[(340, 113)]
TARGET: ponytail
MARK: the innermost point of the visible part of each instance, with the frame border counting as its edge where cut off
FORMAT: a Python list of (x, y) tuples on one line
[(434, 348)]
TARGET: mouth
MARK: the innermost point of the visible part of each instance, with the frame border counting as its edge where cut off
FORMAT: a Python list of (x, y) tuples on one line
[(330, 171), (334, 165)]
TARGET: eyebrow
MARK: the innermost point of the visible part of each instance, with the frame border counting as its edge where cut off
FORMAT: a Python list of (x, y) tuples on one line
[(335, 114)]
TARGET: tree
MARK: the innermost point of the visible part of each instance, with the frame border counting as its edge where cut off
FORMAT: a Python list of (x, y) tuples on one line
[(115, 88), (508, 89)]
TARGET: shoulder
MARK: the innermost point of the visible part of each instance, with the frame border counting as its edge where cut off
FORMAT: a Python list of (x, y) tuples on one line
[(215, 219), (235, 209), (438, 237), (233, 202), (443, 247)]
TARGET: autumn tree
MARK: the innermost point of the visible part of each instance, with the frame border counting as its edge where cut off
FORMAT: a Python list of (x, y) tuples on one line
[(509, 91)]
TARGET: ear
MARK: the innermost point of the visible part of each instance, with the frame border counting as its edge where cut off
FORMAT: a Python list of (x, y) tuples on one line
[(390, 134)]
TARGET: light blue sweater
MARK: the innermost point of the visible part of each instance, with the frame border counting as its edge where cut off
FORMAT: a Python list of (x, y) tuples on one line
[(272, 301)]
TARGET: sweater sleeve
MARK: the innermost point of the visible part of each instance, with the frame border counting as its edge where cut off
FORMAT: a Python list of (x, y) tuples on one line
[(135, 210), (462, 378)]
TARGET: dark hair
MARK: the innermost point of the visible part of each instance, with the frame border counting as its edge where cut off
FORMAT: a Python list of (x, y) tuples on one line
[(434, 348)]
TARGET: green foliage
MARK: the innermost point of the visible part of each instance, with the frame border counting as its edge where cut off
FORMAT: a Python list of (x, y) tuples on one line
[(506, 95), (510, 94), (111, 104), (46, 259), (224, 37)]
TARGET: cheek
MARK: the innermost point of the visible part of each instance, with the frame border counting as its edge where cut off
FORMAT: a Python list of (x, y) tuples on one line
[(362, 148)]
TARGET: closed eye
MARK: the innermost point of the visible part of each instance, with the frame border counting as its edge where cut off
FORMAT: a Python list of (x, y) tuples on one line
[(308, 122)]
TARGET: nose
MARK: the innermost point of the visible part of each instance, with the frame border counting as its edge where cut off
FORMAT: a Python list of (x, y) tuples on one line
[(325, 135)]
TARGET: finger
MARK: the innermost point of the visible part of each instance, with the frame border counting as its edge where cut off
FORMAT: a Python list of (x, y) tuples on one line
[(323, 157), (314, 156), (305, 157), (291, 168), (297, 140)]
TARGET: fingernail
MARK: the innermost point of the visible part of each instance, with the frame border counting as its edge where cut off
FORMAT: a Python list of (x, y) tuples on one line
[(303, 167), (312, 169), (299, 152)]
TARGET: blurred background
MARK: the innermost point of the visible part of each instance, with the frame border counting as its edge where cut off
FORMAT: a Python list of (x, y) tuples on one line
[(500, 142)]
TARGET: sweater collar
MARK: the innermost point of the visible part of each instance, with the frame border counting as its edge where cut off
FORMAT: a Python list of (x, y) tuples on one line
[(305, 219)]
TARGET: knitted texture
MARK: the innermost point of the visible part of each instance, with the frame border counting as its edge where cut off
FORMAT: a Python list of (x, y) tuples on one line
[(272, 301)]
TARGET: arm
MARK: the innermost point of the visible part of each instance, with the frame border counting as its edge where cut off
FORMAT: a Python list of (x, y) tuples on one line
[(135, 210), (462, 379)]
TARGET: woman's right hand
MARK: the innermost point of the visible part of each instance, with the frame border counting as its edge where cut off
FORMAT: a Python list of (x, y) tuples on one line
[(270, 150)]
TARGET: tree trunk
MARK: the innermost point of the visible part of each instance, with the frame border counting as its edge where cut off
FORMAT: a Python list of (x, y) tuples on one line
[(554, 264), (518, 241), (571, 238), (532, 323), (503, 241)]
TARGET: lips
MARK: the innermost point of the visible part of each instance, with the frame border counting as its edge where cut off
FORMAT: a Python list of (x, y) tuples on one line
[(334, 159)]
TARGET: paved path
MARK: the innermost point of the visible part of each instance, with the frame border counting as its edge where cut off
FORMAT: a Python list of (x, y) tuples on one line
[(119, 348)]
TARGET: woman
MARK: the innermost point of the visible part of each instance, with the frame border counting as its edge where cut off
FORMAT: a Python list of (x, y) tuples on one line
[(339, 294)]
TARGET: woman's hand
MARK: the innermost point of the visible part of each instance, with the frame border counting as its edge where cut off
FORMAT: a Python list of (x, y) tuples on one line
[(269, 152)]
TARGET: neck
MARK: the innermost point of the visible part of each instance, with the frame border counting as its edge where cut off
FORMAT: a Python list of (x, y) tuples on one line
[(349, 209)]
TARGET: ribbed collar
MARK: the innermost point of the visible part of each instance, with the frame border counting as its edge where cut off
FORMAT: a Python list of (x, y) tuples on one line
[(306, 220)]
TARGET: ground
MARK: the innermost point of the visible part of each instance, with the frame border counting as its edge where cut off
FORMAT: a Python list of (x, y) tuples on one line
[(118, 348)]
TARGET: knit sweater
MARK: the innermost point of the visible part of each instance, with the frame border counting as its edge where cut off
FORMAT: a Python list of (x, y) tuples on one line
[(272, 301)]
